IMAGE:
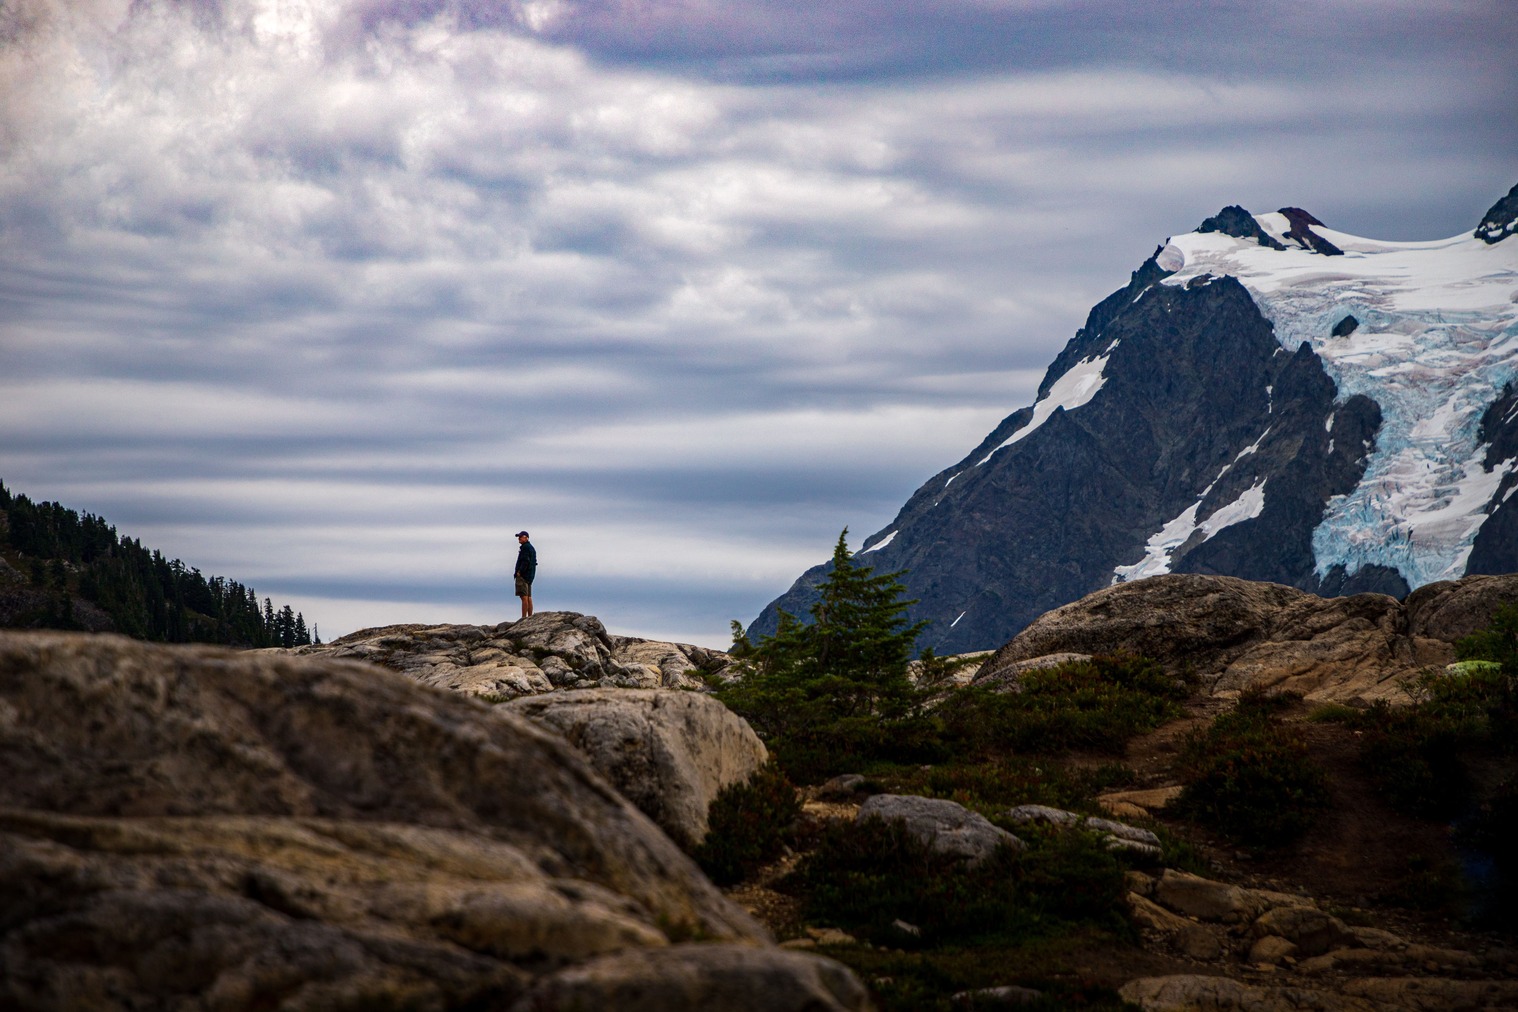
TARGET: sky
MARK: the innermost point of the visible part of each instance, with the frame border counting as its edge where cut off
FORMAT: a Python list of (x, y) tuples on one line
[(333, 297)]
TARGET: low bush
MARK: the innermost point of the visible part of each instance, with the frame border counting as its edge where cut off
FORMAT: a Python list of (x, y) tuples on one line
[(1419, 755), (1248, 776), (749, 825), (1097, 704), (1012, 780), (864, 877)]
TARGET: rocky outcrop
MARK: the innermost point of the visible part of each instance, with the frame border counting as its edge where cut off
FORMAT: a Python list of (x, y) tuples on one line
[(727, 977), (1501, 220), (1235, 634), (1239, 223), (1301, 231), (242, 830), (1227, 926), (550, 650), (666, 751), (946, 827)]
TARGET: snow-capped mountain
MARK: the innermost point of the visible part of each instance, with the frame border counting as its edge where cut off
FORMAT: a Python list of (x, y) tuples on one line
[(1267, 398)]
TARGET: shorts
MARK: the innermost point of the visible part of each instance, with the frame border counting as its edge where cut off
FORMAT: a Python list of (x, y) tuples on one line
[(524, 587)]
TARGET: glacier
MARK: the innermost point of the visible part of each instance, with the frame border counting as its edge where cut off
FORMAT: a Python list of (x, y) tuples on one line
[(1436, 343)]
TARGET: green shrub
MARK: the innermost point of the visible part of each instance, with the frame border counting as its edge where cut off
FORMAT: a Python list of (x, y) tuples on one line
[(1013, 780), (1098, 704), (813, 753), (1333, 713), (1497, 642), (864, 876), (1248, 776), (833, 693), (1413, 757), (748, 825), (1419, 755)]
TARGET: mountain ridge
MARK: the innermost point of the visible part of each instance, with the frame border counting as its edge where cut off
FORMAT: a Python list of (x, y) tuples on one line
[(1265, 398)]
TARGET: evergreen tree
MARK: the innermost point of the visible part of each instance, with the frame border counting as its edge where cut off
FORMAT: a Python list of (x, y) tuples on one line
[(285, 635), (848, 664), (69, 554)]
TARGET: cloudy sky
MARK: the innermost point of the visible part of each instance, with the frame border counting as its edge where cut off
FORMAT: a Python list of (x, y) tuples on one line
[(333, 296)]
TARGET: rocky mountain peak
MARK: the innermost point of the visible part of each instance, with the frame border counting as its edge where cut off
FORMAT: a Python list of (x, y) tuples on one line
[(1501, 220), (1239, 223), (1239, 411), (1301, 231)]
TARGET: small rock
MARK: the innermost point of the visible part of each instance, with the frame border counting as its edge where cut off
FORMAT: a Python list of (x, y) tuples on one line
[(831, 936), (1271, 949), (945, 826), (841, 787), (1008, 995), (1199, 897), (1197, 942), (1123, 803), (1042, 815), (1313, 931)]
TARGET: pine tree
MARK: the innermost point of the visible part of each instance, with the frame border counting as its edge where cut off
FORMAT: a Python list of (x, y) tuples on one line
[(848, 663)]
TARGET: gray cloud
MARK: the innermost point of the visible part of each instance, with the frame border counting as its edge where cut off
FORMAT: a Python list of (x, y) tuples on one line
[(330, 298)]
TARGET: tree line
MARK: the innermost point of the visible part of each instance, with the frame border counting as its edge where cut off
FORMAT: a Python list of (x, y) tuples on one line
[(79, 573)]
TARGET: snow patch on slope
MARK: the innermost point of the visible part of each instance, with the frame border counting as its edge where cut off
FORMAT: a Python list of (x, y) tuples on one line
[(1177, 532), (1438, 339), (1077, 386), (877, 546)]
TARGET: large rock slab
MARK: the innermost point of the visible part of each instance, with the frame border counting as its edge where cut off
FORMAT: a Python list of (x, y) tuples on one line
[(544, 652), (729, 977), (196, 827), (1203, 993), (669, 752), (1450, 609), (1235, 634)]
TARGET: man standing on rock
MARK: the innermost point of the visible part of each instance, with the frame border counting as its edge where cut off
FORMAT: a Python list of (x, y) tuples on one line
[(527, 568)]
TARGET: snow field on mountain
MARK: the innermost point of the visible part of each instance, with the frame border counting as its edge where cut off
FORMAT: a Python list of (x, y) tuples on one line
[(1077, 386), (1436, 342), (1177, 532)]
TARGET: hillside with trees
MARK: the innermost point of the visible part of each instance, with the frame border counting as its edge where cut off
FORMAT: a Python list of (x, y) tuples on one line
[(62, 569)]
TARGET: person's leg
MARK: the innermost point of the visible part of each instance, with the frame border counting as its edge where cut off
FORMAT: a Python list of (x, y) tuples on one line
[(527, 606)]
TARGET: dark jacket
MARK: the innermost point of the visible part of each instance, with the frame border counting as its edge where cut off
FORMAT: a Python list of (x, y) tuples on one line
[(527, 562)]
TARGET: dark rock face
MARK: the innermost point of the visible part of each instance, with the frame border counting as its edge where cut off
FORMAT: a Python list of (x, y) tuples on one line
[(1200, 403), (1492, 551), (1501, 221), (1301, 231), (1346, 326), (1240, 224)]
